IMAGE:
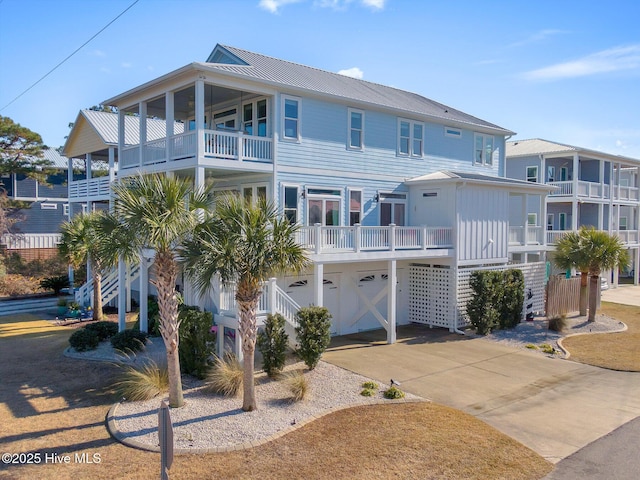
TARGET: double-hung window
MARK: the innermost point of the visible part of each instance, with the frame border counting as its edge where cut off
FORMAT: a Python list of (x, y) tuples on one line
[(291, 118), (532, 174), (356, 129), (254, 118), (410, 138), (355, 206), (291, 204), (484, 149)]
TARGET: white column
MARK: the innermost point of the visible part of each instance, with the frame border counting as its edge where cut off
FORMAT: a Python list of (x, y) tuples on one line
[(636, 266), (120, 133), (601, 174), (392, 280), (128, 286), (142, 110), (144, 293), (112, 165), (600, 216), (318, 287), (170, 119), (574, 202), (122, 296), (88, 166), (200, 117)]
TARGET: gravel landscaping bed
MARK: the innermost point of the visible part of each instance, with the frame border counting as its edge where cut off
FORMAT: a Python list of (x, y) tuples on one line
[(208, 421)]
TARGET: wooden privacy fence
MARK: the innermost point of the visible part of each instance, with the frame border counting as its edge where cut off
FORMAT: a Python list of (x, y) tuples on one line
[(563, 295)]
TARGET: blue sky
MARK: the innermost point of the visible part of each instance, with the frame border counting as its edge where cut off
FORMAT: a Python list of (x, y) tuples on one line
[(567, 71)]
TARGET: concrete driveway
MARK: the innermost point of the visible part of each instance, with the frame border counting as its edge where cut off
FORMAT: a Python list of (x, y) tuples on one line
[(553, 406), (625, 294)]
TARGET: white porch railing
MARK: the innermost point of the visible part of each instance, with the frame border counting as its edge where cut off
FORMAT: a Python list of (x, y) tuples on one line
[(625, 193), (625, 236), (109, 284), (534, 235), (20, 241), (91, 188), (564, 189), (234, 146), (323, 239)]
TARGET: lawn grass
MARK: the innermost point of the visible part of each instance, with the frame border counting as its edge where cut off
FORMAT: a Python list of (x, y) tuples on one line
[(616, 351), (51, 404)]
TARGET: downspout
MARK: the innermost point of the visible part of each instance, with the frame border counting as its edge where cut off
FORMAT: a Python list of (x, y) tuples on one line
[(455, 328)]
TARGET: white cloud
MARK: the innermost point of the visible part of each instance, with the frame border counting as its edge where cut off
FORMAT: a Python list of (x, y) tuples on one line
[(375, 4), (273, 6), (353, 72), (538, 37), (611, 60)]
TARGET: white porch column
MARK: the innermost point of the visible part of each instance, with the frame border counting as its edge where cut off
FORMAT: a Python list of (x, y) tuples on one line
[(112, 165), (88, 166), (636, 266), (601, 174), (122, 296), (574, 202), (200, 117), (120, 134), (170, 116), (392, 281), (543, 220), (128, 286), (144, 293), (600, 216), (525, 218), (142, 110), (318, 287)]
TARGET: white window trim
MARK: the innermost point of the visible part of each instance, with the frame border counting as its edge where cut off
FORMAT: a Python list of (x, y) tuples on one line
[(550, 217), (254, 120), (284, 205), (65, 209), (452, 132), (526, 171), (381, 199), (562, 215), (551, 173), (349, 128), (348, 202), (324, 196), (48, 206), (535, 219), (621, 222), (485, 162), (299, 119), (411, 153)]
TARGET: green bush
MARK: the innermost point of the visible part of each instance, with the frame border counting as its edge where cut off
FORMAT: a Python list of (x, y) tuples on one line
[(313, 332), (104, 329), (393, 393), (512, 298), (197, 341), (367, 392), (153, 316), (370, 385), (129, 341), (56, 283), (83, 340), (483, 308), (272, 343)]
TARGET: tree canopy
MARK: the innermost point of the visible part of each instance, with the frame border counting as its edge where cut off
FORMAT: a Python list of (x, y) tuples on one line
[(21, 150)]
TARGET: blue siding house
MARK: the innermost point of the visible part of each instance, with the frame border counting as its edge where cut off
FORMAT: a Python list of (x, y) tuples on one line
[(399, 197)]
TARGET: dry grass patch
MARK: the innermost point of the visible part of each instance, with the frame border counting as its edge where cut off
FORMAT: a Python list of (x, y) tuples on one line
[(53, 404), (616, 351)]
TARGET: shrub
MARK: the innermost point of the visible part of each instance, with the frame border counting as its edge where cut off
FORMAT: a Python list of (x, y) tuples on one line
[(226, 376), (367, 392), (153, 316), (13, 285), (370, 385), (313, 331), (272, 343), (129, 341), (512, 299), (143, 382), (197, 341), (56, 283), (483, 307), (558, 323), (298, 385), (531, 346), (393, 393), (104, 329), (546, 348), (83, 340)]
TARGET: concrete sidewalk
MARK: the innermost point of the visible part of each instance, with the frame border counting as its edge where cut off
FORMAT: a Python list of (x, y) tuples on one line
[(553, 406), (625, 294)]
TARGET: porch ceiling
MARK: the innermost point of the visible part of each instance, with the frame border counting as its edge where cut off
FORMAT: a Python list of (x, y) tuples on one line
[(184, 100)]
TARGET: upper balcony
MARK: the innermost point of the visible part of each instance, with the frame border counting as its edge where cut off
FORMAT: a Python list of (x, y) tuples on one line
[(628, 237)]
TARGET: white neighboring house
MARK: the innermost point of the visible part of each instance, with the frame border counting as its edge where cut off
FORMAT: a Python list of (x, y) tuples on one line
[(398, 197), (592, 189)]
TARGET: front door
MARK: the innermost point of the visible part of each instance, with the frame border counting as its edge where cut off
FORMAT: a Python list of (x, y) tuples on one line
[(324, 210), (392, 213)]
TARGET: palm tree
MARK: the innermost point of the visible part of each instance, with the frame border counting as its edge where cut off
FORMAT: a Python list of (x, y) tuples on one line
[(604, 252), (81, 243), (568, 255), (243, 244), (158, 212)]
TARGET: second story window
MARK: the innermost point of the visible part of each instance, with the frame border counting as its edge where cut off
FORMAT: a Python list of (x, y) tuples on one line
[(291, 204), (356, 129), (291, 130), (532, 174), (484, 149), (410, 138), (355, 207)]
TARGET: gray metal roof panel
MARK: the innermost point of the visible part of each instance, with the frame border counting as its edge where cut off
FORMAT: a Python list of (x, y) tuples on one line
[(59, 161), (289, 74), (106, 125)]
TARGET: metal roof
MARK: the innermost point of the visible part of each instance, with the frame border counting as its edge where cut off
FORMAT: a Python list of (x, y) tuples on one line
[(538, 146), (458, 177), (106, 125), (58, 161), (289, 74)]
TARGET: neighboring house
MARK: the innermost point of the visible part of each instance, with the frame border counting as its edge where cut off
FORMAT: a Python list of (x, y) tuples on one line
[(399, 197), (592, 189), (37, 232)]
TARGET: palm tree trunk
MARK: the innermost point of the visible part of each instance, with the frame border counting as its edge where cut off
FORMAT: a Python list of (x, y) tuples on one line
[(248, 306), (584, 276), (166, 272), (97, 295), (594, 286)]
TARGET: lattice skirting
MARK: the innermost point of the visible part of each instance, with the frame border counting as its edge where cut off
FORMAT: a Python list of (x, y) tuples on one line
[(431, 295)]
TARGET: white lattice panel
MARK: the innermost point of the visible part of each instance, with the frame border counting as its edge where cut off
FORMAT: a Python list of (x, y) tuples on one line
[(534, 276), (430, 295)]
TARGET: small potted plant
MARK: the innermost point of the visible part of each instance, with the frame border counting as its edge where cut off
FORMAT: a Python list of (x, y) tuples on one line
[(62, 306), (74, 310)]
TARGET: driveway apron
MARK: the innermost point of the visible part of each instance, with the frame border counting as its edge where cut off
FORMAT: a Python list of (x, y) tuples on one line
[(553, 406)]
